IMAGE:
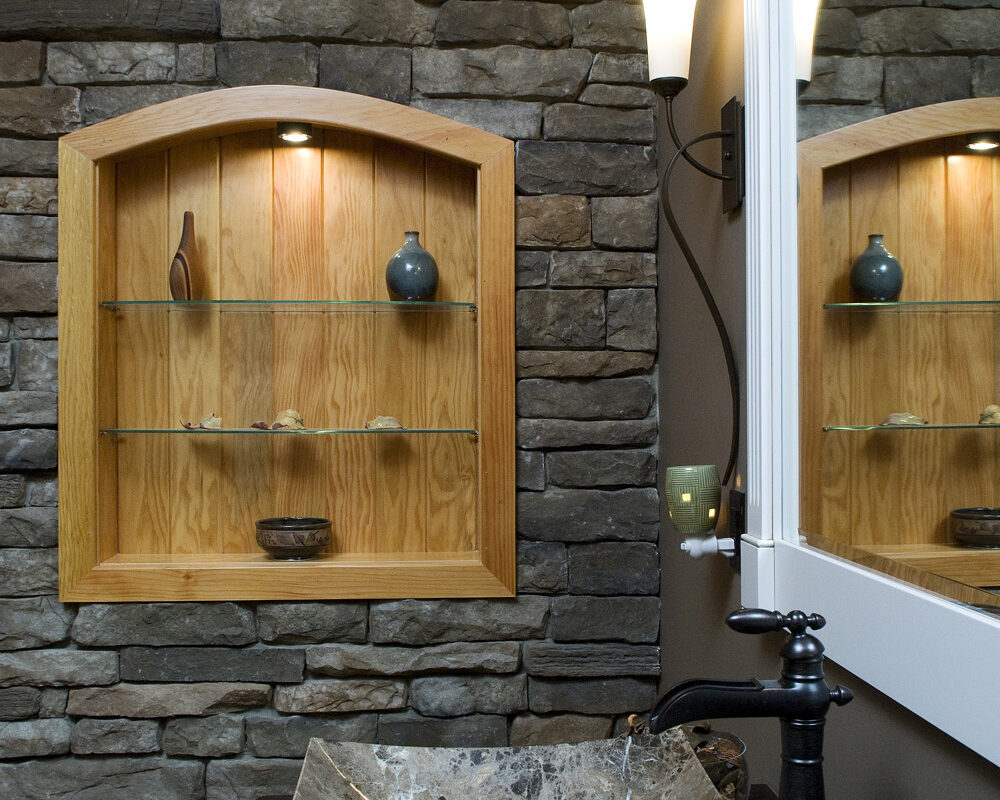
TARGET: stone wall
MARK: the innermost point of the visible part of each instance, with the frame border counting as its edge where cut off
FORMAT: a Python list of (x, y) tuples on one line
[(218, 700), (875, 57)]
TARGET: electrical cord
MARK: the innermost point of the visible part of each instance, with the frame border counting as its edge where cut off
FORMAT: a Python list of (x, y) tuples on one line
[(706, 292)]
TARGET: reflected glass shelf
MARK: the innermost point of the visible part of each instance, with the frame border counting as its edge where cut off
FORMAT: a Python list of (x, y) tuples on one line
[(961, 426), (297, 306), (286, 432), (917, 306)]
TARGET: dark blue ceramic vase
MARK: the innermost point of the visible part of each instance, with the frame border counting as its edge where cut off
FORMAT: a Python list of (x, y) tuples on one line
[(875, 274), (412, 272)]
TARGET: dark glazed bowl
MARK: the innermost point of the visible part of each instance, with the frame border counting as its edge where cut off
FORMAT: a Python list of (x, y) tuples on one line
[(293, 538), (976, 527)]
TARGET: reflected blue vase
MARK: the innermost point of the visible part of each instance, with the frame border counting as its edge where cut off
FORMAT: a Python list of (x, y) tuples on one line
[(412, 272), (875, 274)]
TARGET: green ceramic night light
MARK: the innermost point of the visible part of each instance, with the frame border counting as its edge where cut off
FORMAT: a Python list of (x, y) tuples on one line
[(694, 494)]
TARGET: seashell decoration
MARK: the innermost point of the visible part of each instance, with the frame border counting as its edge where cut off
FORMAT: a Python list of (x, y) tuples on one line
[(209, 423), (381, 423), (902, 418), (289, 419), (990, 415)]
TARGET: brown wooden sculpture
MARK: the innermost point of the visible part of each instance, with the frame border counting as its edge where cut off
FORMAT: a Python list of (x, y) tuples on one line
[(185, 259)]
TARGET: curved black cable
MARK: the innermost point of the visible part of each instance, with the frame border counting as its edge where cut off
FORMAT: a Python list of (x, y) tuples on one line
[(720, 324), (677, 143)]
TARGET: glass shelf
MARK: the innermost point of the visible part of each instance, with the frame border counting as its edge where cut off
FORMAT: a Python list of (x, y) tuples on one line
[(961, 426), (299, 306), (917, 306), (286, 432)]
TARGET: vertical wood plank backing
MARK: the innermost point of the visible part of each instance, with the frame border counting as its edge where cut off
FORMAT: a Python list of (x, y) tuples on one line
[(247, 346), (996, 317), (875, 388), (836, 256), (400, 341), (349, 243), (195, 462), (301, 368), (143, 355), (107, 359), (77, 351)]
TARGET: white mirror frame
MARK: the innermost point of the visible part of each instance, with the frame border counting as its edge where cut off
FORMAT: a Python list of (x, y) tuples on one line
[(904, 641)]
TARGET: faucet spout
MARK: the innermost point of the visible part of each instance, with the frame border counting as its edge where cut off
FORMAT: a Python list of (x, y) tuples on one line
[(696, 700)]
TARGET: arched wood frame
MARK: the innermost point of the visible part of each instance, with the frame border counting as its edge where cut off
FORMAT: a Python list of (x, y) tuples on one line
[(91, 568)]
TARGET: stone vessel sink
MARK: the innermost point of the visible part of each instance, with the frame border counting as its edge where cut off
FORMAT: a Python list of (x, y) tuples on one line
[(642, 767)]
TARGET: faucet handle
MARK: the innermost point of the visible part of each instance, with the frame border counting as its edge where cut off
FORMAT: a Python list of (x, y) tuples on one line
[(760, 620)]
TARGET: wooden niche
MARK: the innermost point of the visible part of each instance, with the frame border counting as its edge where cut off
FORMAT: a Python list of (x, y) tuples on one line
[(290, 310), (882, 496)]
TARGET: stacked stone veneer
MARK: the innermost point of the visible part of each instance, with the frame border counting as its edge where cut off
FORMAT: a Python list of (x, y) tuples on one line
[(218, 700), (875, 57)]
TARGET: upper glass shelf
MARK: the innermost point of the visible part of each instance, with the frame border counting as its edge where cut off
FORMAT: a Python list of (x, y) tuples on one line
[(971, 426), (299, 306), (289, 432), (916, 306)]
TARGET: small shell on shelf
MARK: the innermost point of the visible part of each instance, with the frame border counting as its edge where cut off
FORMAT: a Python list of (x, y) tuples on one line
[(381, 423), (903, 418), (990, 415), (290, 419), (209, 423)]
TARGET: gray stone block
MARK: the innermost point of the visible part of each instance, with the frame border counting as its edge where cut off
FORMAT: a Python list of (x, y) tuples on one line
[(912, 82), (580, 364), (528, 729), (601, 398), (402, 21), (38, 110), (549, 660), (28, 288), (541, 567), (53, 703), (13, 491), (601, 468), (26, 408), (196, 63), (602, 268), (461, 695), (101, 624), (20, 62), (572, 318), (56, 19), (413, 622), (254, 63), (28, 196), (591, 123), (361, 659), (43, 492), (986, 76), (194, 664), (506, 72), (609, 25), (530, 471), (587, 515), (503, 22), (6, 362), (620, 68), (587, 168), (412, 730), (599, 619), (374, 71), (35, 328), (38, 365), (37, 737), (816, 119), (312, 623), (510, 118), (288, 737), (58, 668), (19, 702), (632, 319), (151, 701), (104, 102), (27, 573), (918, 31), (33, 622), (560, 433), (836, 31), (842, 79), (602, 94), (111, 62), (115, 737), (552, 221), (614, 568), (104, 779), (27, 236), (257, 779), (28, 157), (210, 737), (611, 695), (28, 527), (625, 223), (340, 696)]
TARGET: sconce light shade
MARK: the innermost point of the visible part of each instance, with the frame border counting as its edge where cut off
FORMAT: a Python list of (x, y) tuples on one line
[(694, 495), (669, 27), (295, 132), (804, 16), (982, 141)]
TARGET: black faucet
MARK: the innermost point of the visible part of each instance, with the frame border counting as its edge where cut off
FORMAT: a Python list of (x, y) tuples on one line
[(800, 698)]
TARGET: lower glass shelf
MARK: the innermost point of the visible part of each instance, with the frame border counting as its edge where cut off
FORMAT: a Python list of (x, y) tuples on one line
[(960, 426), (286, 432)]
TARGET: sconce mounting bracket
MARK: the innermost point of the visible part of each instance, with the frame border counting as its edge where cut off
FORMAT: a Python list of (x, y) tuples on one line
[(733, 156)]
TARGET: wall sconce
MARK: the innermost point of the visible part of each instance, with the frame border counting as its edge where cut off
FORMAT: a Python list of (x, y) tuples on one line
[(981, 142), (804, 18), (295, 132)]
